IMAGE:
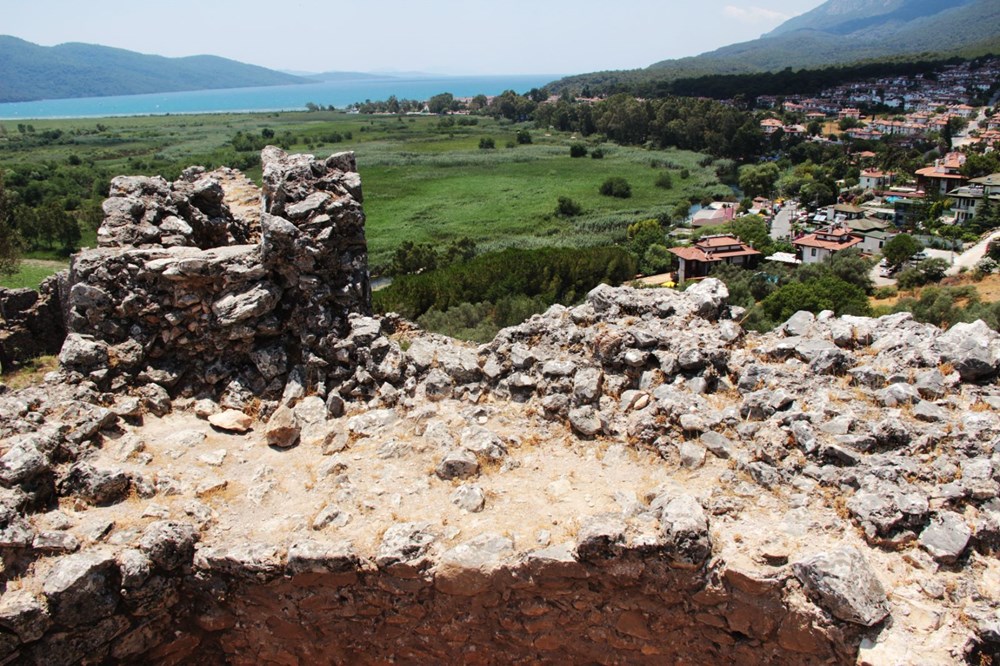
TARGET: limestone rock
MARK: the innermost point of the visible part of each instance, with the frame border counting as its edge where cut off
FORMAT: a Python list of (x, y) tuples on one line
[(464, 570), (83, 352), (600, 537), (457, 464), (469, 498), (483, 442), (100, 486), (973, 349), (586, 421), (135, 568), (307, 556), (684, 527), (404, 543), (24, 614), (946, 537), (169, 545), (843, 582), (258, 561), (282, 429), (82, 588), (231, 420), (22, 462)]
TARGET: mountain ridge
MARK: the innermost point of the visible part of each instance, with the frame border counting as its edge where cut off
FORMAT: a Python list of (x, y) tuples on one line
[(31, 72), (838, 32)]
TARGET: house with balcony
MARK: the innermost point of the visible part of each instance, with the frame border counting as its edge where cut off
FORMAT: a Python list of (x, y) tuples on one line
[(969, 197), (698, 260), (944, 175), (816, 247)]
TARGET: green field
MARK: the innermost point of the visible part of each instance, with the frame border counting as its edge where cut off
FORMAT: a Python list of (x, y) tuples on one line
[(422, 181)]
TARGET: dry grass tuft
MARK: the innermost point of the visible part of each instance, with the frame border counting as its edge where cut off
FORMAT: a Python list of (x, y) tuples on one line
[(31, 373)]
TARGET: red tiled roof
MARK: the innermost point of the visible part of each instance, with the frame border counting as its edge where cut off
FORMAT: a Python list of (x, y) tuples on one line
[(718, 241), (689, 253), (704, 250), (933, 172), (811, 240)]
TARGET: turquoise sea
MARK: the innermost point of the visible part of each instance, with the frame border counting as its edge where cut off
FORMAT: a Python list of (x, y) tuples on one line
[(273, 98)]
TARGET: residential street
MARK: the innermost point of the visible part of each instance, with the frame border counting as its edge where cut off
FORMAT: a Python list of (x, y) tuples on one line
[(781, 225)]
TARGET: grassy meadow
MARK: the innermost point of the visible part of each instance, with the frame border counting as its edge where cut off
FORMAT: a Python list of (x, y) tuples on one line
[(425, 179)]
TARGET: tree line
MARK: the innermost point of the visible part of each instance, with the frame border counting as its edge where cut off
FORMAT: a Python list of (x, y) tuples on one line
[(503, 287)]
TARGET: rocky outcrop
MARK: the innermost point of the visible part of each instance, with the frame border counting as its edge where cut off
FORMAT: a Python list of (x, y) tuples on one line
[(632, 479)]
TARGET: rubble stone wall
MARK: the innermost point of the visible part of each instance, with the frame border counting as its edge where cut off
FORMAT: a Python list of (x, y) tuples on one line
[(632, 609), (31, 323), (177, 295)]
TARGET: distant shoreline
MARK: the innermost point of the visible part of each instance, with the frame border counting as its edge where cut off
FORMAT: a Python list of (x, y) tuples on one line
[(267, 99)]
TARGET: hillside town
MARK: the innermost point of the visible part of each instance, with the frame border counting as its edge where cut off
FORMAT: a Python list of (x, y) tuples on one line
[(944, 207)]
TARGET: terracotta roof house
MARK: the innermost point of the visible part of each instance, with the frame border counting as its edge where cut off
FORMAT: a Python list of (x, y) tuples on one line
[(817, 246), (770, 125), (709, 251), (873, 179), (944, 175)]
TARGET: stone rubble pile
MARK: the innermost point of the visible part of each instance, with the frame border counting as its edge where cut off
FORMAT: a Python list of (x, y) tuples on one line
[(888, 424)]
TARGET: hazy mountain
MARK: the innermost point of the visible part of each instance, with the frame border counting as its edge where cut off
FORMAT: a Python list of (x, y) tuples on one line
[(30, 72), (350, 76), (840, 32), (845, 17)]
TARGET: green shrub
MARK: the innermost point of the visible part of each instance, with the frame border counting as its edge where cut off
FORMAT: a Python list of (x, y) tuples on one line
[(665, 180), (616, 186), (523, 136), (886, 292), (578, 150), (487, 143), (909, 278), (597, 154), (566, 207)]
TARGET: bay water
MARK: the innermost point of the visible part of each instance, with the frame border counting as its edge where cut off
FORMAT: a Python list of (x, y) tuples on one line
[(272, 98)]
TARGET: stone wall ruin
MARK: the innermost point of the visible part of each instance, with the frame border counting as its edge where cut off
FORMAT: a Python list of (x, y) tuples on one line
[(179, 295), (635, 479)]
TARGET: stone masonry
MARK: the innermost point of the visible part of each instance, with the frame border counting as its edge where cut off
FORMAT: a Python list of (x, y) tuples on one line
[(237, 463), (177, 297)]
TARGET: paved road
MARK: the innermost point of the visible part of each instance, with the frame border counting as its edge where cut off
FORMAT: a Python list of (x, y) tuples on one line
[(781, 225), (963, 138), (971, 257)]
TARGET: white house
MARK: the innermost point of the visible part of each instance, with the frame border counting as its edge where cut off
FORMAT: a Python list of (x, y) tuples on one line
[(816, 247)]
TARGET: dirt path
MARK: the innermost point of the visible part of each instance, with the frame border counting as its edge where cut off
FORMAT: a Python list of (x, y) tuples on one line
[(46, 263)]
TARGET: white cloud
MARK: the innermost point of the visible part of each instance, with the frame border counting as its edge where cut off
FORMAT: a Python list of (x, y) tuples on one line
[(755, 15)]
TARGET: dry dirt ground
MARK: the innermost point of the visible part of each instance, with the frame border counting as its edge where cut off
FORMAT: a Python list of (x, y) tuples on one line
[(375, 475), (988, 289)]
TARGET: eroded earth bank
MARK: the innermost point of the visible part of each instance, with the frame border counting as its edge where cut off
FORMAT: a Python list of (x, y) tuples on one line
[(237, 463)]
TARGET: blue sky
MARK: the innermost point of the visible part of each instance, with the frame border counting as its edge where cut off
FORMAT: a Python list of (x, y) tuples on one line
[(445, 36)]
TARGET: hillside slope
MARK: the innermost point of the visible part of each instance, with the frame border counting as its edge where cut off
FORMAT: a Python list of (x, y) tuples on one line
[(835, 33), (30, 72), (842, 31)]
